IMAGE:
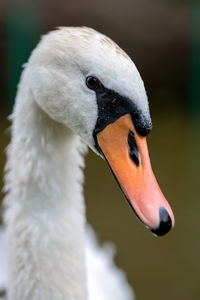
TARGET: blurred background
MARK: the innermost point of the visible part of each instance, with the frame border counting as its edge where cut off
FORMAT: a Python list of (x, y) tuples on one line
[(163, 39)]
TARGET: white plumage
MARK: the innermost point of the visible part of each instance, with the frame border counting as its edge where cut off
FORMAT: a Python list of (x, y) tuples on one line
[(104, 279), (50, 255)]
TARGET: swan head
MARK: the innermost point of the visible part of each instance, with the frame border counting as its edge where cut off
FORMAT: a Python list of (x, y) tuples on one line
[(83, 80)]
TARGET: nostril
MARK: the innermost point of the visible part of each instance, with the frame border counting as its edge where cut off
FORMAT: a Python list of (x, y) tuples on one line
[(133, 148), (165, 223)]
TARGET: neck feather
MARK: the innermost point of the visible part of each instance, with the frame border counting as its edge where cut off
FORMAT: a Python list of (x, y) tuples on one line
[(45, 213)]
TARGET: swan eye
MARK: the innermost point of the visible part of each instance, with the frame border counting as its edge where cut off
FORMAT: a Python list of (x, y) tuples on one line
[(92, 83)]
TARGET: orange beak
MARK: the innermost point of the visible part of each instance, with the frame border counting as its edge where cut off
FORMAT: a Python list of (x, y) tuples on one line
[(127, 155)]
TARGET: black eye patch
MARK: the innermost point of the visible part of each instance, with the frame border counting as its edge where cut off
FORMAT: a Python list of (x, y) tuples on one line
[(112, 106)]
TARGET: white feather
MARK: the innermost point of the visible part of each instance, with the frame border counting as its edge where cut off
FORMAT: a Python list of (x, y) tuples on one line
[(104, 279)]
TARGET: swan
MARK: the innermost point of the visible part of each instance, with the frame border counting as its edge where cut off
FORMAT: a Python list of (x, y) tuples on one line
[(78, 90)]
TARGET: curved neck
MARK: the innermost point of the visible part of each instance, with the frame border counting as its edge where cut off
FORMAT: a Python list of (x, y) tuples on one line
[(45, 210)]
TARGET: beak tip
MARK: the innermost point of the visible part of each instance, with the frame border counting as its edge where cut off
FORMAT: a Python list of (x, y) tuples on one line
[(165, 223)]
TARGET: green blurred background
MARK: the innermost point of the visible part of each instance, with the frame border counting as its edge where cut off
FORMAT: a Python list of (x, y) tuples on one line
[(163, 39)]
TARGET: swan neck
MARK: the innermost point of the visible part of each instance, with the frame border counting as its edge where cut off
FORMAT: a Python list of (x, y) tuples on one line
[(45, 212)]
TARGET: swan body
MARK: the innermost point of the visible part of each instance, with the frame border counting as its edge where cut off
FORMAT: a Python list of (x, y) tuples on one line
[(50, 255)]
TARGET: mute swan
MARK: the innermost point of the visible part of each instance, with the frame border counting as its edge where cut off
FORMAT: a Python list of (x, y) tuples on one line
[(77, 88)]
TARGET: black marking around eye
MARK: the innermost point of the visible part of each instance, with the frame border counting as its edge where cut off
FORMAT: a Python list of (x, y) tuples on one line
[(133, 152), (112, 106)]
